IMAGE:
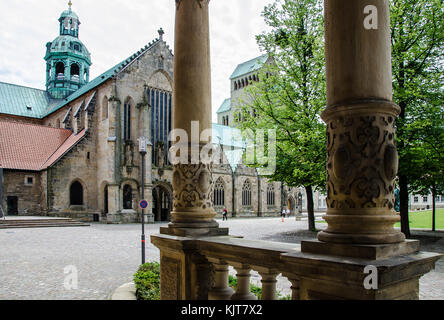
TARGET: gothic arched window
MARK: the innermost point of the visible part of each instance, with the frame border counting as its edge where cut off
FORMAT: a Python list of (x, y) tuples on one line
[(271, 198), (219, 193), (161, 103), (127, 121), (246, 194)]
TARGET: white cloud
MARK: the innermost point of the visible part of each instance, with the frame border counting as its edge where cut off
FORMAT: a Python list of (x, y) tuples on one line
[(114, 29)]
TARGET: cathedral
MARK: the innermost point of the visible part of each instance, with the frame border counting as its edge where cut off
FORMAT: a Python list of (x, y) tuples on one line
[(72, 150)]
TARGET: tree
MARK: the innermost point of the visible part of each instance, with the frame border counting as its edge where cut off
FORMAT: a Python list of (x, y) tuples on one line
[(430, 145), (417, 35), (290, 94)]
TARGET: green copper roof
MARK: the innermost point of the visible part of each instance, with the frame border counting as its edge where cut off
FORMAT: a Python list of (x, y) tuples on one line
[(225, 107), (65, 44), (249, 66), (69, 13), (22, 101)]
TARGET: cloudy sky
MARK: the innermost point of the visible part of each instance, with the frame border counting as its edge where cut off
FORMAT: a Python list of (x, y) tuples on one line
[(112, 30)]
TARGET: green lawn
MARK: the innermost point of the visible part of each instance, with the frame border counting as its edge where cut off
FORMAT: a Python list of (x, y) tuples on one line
[(423, 219), (420, 219)]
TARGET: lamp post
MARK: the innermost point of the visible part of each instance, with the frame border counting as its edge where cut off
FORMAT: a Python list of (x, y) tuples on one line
[(143, 151)]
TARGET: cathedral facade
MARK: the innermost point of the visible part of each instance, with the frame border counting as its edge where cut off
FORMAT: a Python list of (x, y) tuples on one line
[(72, 150)]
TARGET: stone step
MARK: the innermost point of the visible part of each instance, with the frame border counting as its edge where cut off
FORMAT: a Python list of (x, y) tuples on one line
[(36, 221), (41, 226), (41, 223)]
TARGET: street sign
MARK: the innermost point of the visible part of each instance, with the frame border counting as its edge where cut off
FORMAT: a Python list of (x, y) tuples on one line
[(143, 204), (142, 144)]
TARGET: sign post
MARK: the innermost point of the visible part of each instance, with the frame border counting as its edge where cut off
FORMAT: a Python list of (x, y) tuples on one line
[(143, 204)]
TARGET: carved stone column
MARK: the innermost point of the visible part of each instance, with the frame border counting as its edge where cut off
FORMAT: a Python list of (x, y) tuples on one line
[(360, 242), (362, 158), (193, 213)]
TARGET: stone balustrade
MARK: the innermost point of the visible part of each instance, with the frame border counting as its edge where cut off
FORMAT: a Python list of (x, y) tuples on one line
[(245, 256), (198, 269)]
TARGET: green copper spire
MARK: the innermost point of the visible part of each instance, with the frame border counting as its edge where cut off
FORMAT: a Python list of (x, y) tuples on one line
[(67, 59)]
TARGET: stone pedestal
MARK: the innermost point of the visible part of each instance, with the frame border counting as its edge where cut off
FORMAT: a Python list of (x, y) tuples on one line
[(185, 274), (360, 272)]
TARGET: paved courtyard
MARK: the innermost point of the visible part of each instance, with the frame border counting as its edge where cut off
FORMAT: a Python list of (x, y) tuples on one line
[(32, 261)]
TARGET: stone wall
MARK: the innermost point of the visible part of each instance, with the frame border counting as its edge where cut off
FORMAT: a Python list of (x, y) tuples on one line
[(79, 165), (30, 196)]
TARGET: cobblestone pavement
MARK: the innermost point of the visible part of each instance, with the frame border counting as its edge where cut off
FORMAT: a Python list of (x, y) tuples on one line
[(32, 261)]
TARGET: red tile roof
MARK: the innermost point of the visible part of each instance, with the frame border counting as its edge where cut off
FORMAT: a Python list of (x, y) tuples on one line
[(32, 147)]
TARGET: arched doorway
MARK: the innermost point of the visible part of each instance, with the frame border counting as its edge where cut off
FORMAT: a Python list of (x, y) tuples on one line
[(127, 197), (162, 204), (76, 194)]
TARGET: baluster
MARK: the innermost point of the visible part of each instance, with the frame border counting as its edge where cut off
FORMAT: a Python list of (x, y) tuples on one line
[(268, 283), (295, 283), (243, 282), (221, 290)]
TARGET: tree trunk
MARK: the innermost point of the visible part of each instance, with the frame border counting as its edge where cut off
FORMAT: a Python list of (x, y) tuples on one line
[(434, 208), (404, 205), (310, 209)]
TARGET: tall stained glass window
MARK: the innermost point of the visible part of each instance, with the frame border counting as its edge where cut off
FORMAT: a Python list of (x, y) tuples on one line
[(161, 115)]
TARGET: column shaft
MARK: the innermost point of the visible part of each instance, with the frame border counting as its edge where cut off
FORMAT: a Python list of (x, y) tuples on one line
[(362, 158), (193, 211)]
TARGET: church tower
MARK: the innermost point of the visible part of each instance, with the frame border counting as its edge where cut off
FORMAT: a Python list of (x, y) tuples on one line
[(67, 59)]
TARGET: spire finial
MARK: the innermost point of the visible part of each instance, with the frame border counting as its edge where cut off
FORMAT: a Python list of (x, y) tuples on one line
[(161, 33), (70, 4)]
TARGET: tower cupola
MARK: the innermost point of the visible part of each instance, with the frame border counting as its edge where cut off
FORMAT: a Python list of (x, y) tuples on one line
[(69, 23), (67, 59)]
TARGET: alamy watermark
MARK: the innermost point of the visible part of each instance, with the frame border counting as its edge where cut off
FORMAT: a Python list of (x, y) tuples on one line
[(371, 18), (251, 148), (71, 281), (371, 281)]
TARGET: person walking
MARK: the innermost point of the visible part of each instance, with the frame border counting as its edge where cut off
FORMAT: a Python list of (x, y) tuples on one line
[(225, 214)]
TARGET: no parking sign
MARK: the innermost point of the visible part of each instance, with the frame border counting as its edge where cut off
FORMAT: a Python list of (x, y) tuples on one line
[(143, 204)]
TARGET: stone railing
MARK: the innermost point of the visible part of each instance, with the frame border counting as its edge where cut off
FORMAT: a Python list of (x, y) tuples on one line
[(244, 256), (198, 269)]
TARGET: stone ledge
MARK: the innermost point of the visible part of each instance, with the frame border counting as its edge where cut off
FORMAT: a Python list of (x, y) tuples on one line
[(125, 292), (371, 252)]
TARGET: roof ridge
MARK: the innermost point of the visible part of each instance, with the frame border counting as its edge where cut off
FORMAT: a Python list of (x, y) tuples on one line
[(32, 124), (22, 86), (263, 55), (136, 55), (57, 150), (239, 70), (61, 145)]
